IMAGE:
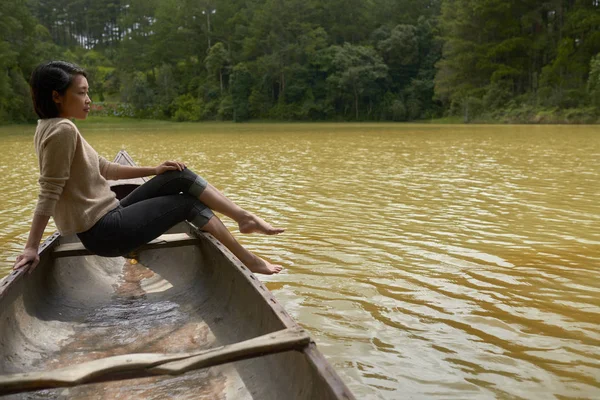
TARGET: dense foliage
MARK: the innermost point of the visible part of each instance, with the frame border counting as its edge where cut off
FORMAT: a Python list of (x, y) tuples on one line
[(392, 60), (519, 55)]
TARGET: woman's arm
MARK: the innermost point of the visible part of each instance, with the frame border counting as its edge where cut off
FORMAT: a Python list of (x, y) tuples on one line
[(30, 253), (55, 152), (129, 172)]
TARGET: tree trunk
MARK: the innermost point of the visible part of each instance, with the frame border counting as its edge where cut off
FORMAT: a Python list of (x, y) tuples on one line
[(221, 80), (356, 103)]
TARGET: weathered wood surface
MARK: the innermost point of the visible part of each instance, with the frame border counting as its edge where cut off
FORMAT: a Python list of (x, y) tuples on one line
[(283, 340), (141, 365)]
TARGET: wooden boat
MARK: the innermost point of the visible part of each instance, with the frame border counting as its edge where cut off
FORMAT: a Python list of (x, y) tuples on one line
[(186, 321)]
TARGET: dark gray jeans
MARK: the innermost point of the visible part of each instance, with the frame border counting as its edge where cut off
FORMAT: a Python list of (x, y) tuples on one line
[(148, 212)]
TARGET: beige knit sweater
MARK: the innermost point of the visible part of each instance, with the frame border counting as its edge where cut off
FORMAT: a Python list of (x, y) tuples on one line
[(73, 178)]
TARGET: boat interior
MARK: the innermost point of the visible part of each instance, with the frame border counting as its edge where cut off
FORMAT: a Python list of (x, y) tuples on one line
[(190, 297)]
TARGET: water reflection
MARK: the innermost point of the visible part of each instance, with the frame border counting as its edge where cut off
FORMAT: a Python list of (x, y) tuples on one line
[(429, 262)]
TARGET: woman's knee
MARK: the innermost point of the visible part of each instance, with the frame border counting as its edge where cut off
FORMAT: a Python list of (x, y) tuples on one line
[(199, 184), (184, 181), (175, 174)]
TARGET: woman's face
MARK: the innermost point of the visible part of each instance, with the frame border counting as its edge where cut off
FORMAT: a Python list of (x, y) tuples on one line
[(75, 103)]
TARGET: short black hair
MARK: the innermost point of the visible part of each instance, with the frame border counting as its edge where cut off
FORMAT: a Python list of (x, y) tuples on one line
[(47, 77)]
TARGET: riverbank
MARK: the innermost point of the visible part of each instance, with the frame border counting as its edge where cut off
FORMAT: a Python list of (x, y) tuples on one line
[(512, 114), (531, 115), (521, 116)]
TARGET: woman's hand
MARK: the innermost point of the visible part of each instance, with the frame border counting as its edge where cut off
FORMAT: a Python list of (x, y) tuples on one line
[(169, 166), (28, 259)]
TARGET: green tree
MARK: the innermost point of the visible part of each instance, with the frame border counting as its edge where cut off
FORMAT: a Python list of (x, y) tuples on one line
[(135, 50), (593, 85), (187, 108), (495, 51), (482, 45), (282, 35), (310, 59), (21, 41), (218, 62), (167, 88), (241, 87), (138, 92), (347, 21), (357, 71), (399, 48)]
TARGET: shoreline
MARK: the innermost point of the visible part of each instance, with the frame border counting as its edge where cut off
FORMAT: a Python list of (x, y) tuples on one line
[(537, 120)]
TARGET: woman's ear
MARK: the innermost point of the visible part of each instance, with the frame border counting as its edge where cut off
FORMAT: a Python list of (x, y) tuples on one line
[(57, 98)]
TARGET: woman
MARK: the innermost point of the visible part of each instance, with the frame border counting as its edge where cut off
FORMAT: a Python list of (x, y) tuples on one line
[(74, 189)]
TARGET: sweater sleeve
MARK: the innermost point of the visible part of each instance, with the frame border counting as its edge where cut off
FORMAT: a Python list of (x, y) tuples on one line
[(109, 170), (56, 156)]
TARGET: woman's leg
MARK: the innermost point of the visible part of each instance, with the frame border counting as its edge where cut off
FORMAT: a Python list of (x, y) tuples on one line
[(186, 181), (247, 222), (167, 183), (252, 261), (143, 222), (127, 228)]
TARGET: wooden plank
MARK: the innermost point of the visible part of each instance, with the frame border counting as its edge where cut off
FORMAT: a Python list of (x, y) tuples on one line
[(163, 241), (284, 340), (327, 373), (143, 365)]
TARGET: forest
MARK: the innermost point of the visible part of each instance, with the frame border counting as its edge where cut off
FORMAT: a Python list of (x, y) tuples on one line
[(525, 61)]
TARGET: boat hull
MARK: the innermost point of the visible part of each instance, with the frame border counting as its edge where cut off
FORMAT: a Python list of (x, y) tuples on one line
[(192, 297)]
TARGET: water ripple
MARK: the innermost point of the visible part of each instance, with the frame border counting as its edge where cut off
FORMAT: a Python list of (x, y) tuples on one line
[(430, 262)]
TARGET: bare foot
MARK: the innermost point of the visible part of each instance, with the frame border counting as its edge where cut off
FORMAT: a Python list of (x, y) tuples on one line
[(251, 223), (260, 266)]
